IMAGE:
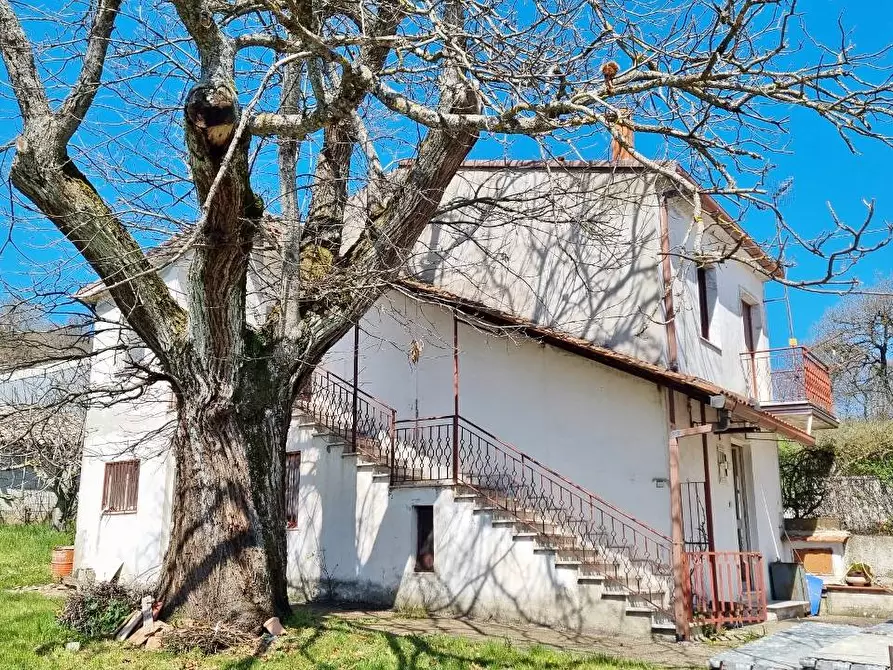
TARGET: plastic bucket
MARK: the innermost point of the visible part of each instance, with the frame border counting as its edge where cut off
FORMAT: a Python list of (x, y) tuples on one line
[(814, 587), (62, 563)]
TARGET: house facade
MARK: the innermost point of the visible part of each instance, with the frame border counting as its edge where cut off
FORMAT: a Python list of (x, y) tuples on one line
[(566, 413)]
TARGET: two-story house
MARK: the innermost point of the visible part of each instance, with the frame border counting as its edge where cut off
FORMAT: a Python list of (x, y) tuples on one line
[(566, 413)]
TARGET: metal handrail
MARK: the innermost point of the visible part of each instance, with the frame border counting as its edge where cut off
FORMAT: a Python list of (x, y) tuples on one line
[(367, 423), (349, 384), (627, 552), (568, 482)]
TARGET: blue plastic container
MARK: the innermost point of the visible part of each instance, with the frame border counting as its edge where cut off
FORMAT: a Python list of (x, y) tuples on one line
[(814, 589)]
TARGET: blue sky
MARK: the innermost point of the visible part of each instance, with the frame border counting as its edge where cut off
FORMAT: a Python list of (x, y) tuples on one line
[(825, 171), (822, 167)]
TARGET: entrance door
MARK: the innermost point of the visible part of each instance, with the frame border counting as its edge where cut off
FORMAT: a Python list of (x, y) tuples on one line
[(740, 483)]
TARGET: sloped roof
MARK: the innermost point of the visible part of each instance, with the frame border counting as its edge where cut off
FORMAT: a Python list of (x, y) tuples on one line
[(690, 385)]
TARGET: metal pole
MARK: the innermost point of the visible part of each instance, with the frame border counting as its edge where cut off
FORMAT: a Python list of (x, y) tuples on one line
[(356, 382), (455, 398), (393, 458)]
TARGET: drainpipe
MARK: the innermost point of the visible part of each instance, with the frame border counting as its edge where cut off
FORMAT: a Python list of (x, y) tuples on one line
[(455, 398), (681, 585), (356, 383), (667, 274)]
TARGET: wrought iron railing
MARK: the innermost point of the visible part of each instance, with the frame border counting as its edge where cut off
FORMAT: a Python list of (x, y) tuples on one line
[(424, 450), (791, 374), (694, 516), (578, 524), (727, 587), (364, 422)]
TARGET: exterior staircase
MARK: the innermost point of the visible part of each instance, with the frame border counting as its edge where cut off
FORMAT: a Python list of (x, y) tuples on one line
[(615, 556)]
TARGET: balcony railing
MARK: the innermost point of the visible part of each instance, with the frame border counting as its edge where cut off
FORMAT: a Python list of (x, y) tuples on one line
[(787, 375)]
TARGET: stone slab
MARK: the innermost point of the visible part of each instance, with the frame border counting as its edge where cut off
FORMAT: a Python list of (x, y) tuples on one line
[(868, 650), (785, 649)]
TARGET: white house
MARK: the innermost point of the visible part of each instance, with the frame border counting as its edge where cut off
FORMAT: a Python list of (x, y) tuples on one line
[(566, 413)]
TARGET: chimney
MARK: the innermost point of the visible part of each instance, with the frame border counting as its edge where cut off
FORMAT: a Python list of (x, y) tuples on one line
[(620, 125)]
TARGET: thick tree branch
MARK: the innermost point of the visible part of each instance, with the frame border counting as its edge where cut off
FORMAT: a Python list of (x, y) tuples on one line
[(75, 106), (19, 58)]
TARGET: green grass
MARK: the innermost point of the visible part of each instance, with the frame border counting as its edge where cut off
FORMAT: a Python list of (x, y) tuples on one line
[(30, 638), (25, 554)]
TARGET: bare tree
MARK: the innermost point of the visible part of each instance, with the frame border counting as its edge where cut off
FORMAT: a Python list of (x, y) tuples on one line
[(855, 337), (290, 109), (43, 378)]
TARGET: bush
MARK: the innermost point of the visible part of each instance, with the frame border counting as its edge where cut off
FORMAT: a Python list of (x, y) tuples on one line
[(97, 610), (862, 448), (805, 476)]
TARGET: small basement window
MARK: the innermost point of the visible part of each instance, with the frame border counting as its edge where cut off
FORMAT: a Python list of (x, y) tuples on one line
[(292, 487), (424, 524), (121, 487)]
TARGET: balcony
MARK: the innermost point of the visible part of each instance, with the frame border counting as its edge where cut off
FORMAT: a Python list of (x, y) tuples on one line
[(791, 383)]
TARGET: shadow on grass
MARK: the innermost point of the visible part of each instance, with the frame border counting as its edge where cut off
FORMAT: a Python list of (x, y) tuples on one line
[(330, 642)]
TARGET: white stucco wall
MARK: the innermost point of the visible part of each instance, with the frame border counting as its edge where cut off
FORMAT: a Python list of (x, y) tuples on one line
[(355, 541), (604, 429), (719, 358), (571, 249), (134, 427)]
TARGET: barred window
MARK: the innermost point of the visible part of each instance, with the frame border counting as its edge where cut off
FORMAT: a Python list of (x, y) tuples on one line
[(121, 487), (292, 485)]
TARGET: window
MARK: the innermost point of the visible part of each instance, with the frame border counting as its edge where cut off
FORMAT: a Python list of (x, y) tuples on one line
[(292, 485), (748, 323), (706, 298), (121, 487), (424, 523)]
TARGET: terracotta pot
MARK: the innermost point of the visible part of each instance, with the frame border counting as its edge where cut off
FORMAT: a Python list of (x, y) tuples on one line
[(857, 580), (63, 562)]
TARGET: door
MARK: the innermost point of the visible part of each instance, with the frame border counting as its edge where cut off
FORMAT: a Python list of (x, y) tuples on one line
[(739, 481)]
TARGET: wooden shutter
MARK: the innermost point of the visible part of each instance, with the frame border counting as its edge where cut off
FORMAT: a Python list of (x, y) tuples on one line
[(120, 490), (292, 485)]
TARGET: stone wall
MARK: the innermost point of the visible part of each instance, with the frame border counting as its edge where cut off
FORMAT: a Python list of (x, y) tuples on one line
[(860, 503), (876, 550)]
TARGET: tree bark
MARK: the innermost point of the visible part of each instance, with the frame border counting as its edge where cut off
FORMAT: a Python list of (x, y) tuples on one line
[(226, 560)]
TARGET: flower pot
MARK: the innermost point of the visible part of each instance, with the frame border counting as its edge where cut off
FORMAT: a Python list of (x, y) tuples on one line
[(857, 580), (62, 563)]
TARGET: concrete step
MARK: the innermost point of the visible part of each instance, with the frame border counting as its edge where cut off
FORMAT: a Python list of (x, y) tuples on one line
[(781, 610)]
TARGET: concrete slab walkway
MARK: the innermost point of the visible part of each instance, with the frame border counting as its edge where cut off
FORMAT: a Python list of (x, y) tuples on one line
[(814, 645)]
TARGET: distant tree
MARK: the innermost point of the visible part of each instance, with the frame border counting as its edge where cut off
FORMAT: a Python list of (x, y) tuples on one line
[(43, 403), (855, 338), (861, 448)]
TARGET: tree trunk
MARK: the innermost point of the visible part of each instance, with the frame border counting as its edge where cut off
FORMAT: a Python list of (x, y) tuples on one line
[(226, 560)]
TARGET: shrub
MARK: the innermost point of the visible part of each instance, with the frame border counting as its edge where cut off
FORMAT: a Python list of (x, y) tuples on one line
[(97, 610), (862, 448), (804, 477)]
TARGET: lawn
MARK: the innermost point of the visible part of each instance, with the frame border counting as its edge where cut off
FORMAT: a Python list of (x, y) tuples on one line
[(30, 638)]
